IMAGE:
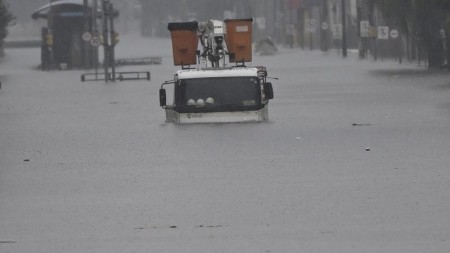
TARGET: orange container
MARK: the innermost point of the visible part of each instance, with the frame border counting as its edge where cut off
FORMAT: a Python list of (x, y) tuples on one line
[(184, 42), (239, 39)]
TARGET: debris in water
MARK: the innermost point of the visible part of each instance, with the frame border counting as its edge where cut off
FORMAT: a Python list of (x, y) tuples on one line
[(361, 124), (210, 226), (214, 226), (8, 242)]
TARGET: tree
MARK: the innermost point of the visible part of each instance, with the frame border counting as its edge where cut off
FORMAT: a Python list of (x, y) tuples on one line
[(5, 18), (421, 21), (430, 19)]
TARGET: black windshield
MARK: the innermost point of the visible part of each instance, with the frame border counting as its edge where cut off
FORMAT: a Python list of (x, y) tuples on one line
[(218, 94)]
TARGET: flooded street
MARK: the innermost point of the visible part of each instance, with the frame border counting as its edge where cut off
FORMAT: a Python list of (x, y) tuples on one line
[(354, 158)]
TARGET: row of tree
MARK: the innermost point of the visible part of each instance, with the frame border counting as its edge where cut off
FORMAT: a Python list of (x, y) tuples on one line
[(425, 23)]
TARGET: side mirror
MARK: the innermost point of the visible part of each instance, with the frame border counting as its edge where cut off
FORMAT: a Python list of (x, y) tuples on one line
[(268, 90), (162, 97)]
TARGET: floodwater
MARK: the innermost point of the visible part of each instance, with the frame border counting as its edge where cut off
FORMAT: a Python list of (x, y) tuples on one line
[(353, 159)]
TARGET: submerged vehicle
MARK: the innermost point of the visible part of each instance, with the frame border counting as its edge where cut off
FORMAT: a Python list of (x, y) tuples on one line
[(212, 90)]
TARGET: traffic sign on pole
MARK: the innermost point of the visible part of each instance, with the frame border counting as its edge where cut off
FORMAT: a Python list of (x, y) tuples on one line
[(95, 41), (383, 32), (310, 25), (394, 33), (337, 31), (364, 28), (87, 36)]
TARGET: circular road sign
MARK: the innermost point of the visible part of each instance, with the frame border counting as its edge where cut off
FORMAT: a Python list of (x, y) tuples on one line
[(87, 36), (394, 33), (95, 41)]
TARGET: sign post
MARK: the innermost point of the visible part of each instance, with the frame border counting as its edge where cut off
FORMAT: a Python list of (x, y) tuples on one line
[(394, 34), (310, 26), (444, 46)]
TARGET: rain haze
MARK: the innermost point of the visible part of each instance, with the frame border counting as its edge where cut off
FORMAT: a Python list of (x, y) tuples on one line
[(354, 155)]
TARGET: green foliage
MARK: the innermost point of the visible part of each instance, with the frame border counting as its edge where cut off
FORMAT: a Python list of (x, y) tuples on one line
[(5, 18), (399, 13), (443, 4), (422, 19)]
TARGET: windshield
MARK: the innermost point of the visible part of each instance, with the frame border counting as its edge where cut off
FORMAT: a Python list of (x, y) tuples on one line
[(218, 94)]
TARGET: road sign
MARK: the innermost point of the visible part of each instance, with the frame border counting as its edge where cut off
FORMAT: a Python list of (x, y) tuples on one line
[(394, 33), (49, 39), (87, 36), (261, 22), (364, 28), (115, 40), (337, 31), (95, 41), (383, 32), (373, 32), (310, 25)]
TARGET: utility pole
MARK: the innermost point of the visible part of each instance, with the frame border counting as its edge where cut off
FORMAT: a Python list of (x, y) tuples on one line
[(112, 40), (50, 37), (301, 23), (361, 39), (324, 30), (344, 28), (95, 33), (310, 33), (105, 39), (371, 17), (86, 29)]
